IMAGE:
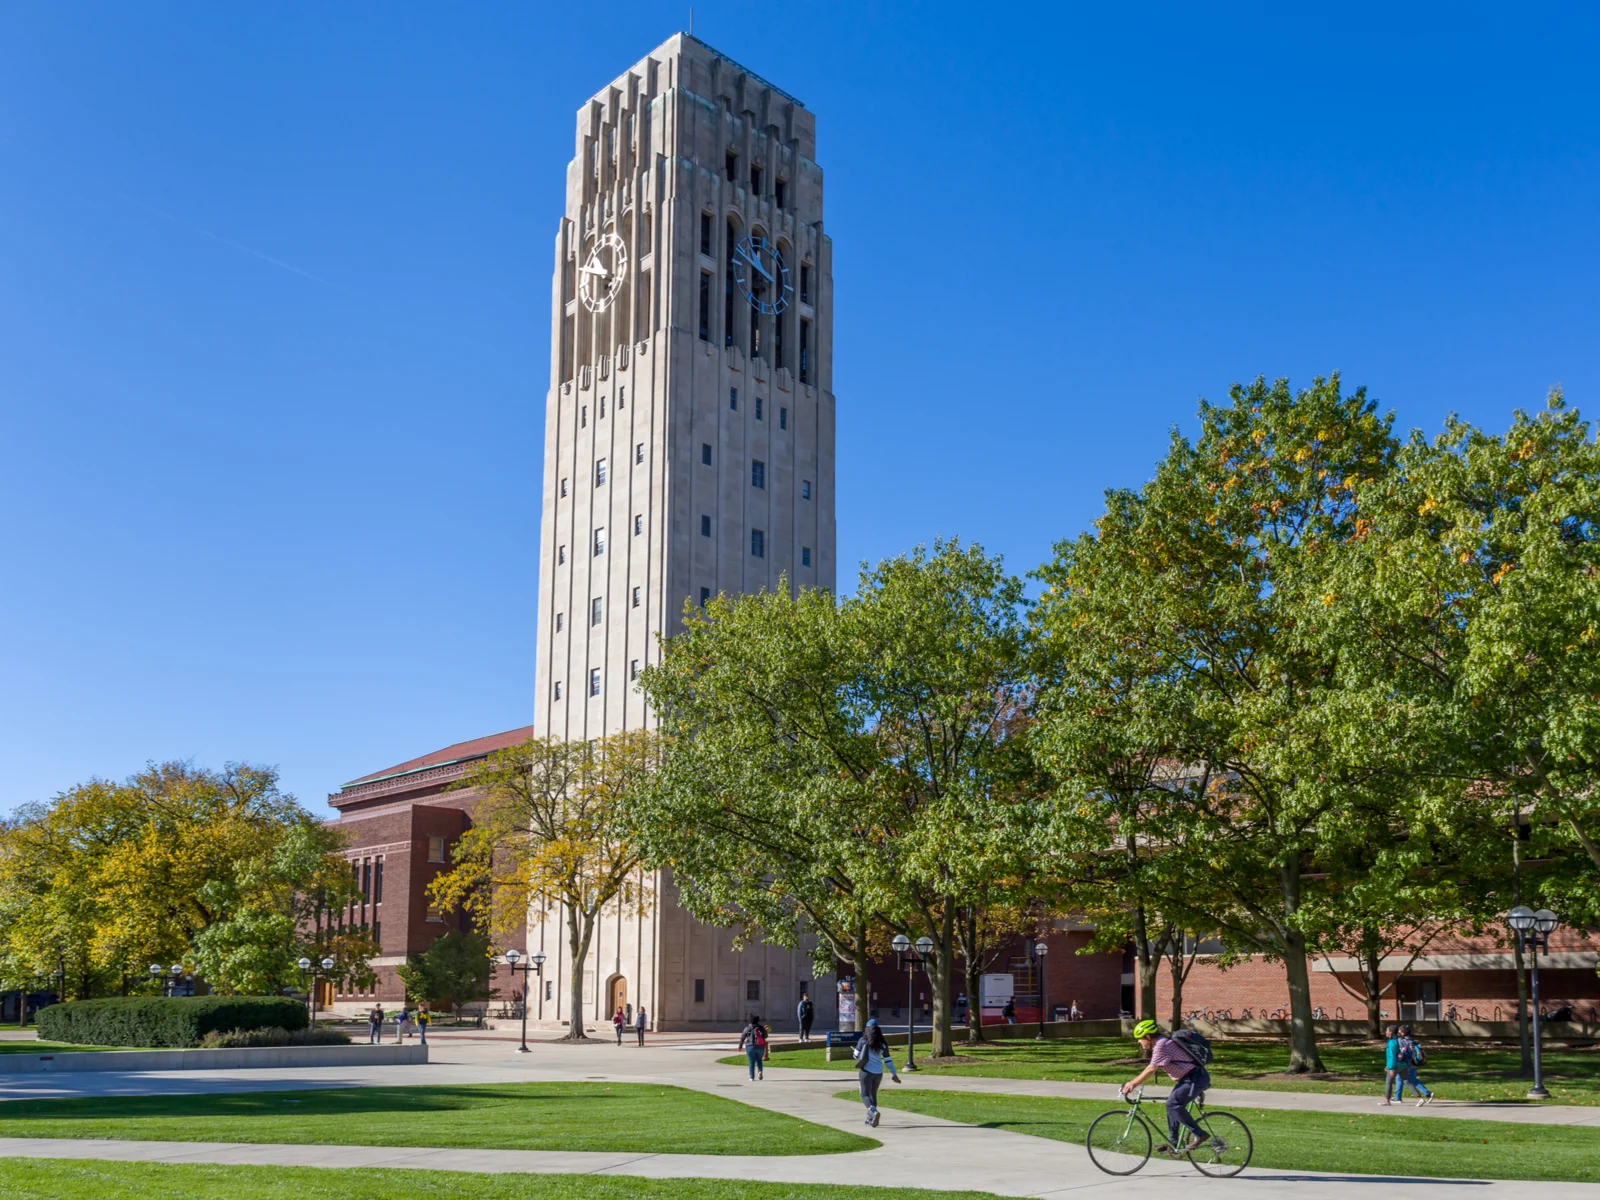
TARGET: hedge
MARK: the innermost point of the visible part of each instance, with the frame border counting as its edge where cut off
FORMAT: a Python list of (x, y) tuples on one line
[(164, 1020)]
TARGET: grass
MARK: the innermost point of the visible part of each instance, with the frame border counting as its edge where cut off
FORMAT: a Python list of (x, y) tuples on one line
[(636, 1118), (1367, 1144), (49, 1048), (59, 1179), (1455, 1073)]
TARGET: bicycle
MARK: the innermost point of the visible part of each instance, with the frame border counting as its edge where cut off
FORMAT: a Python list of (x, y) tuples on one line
[(1121, 1141)]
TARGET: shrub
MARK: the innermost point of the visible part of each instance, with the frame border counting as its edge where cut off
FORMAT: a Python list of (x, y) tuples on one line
[(277, 1036), (164, 1020)]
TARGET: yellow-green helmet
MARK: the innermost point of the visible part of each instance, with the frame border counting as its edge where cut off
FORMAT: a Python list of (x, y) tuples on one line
[(1146, 1029)]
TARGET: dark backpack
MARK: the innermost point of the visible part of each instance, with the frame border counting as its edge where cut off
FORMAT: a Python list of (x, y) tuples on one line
[(1410, 1053), (1194, 1044)]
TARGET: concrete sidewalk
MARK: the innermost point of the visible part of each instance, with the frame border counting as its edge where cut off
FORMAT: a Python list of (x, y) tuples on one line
[(917, 1151)]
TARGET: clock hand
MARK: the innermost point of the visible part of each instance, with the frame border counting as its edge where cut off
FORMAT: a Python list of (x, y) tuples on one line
[(764, 272), (593, 268)]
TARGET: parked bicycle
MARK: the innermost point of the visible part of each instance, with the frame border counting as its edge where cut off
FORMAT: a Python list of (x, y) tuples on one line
[(1121, 1141)]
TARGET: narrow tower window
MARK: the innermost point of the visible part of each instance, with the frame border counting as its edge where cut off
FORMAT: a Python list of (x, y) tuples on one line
[(600, 472), (758, 544), (705, 525), (599, 541), (758, 474), (705, 233), (596, 611), (783, 418), (594, 682), (705, 306), (705, 453)]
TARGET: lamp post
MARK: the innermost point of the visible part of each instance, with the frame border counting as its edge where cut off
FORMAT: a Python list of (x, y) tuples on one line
[(1039, 951), (157, 976), (910, 961), (305, 964), (536, 963), (1533, 930), (175, 970)]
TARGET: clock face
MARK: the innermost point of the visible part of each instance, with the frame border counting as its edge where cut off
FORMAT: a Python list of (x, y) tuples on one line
[(761, 274), (601, 274)]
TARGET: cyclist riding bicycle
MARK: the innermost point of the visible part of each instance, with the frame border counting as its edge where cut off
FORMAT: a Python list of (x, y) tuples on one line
[(1190, 1080)]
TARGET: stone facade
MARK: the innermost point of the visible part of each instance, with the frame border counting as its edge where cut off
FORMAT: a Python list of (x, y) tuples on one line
[(689, 434)]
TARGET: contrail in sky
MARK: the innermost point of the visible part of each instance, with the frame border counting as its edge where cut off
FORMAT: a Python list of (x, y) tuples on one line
[(217, 237)]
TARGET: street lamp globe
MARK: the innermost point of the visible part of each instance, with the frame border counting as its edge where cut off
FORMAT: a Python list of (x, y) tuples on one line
[(538, 959), (176, 969), (155, 970), (924, 945), (304, 964), (327, 964), (901, 943), (513, 957), (1040, 949), (1520, 918), (1545, 921)]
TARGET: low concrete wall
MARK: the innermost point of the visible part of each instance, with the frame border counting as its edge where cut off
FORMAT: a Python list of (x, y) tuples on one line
[(1434, 1031), (212, 1060)]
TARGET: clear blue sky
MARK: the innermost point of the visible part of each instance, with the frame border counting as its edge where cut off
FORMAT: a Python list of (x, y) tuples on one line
[(274, 292)]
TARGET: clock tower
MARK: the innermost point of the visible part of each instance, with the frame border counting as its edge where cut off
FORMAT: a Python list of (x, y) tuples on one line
[(689, 447)]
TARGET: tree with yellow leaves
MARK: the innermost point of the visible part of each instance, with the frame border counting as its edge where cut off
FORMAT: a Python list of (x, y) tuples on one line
[(551, 832)]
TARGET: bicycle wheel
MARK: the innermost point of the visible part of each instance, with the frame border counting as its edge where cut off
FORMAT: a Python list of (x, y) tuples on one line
[(1119, 1142), (1229, 1150)]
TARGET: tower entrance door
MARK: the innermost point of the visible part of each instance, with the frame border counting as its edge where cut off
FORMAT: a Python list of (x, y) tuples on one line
[(619, 994)]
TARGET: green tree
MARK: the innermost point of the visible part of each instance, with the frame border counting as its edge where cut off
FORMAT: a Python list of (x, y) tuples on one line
[(455, 970), (552, 833)]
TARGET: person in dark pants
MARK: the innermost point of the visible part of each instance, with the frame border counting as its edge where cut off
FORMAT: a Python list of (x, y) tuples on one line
[(640, 1023), (805, 1012), (753, 1041), (872, 1056), (375, 1025), (1189, 1081)]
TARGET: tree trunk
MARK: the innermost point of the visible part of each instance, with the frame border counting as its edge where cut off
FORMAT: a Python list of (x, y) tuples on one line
[(1369, 979), (580, 928), (862, 962), (1147, 964), (972, 969), (1175, 958), (939, 971), (1303, 1056)]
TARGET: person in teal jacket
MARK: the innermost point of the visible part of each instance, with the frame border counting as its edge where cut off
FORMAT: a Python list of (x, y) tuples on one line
[(1391, 1062)]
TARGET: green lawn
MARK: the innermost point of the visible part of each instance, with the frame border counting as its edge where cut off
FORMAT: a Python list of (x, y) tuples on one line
[(1375, 1144), (47, 1048), (60, 1179), (1573, 1076), (636, 1118)]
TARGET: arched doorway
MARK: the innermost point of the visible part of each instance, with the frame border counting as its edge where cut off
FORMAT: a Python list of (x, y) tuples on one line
[(619, 994)]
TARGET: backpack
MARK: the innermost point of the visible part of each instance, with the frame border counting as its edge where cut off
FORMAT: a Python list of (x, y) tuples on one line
[(759, 1037), (861, 1052), (1194, 1044), (1410, 1053)]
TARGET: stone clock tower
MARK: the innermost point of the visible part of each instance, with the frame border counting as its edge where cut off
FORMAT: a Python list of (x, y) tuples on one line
[(689, 434)]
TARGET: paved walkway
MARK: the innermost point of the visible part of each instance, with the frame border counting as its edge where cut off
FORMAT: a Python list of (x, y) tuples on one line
[(917, 1151)]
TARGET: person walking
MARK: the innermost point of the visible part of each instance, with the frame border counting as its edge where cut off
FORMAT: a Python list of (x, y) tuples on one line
[(871, 1056), (1009, 1012), (1074, 1013), (753, 1041), (627, 1015), (618, 1021), (402, 1021), (1409, 1056), (640, 1023), (424, 1019), (375, 1025), (804, 1012), (1391, 1061)]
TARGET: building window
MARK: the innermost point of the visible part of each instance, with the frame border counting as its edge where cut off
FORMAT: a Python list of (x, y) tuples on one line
[(699, 991), (563, 485), (705, 525), (377, 933), (758, 474), (705, 453), (779, 326), (602, 408), (733, 399), (622, 392), (752, 990), (583, 417), (549, 989), (780, 192), (561, 555), (638, 524), (805, 283), (594, 682), (705, 597), (597, 611), (559, 618), (805, 351), (705, 233), (436, 849), (783, 418), (600, 541), (600, 472), (805, 556), (758, 544), (636, 597), (805, 489), (558, 690), (705, 306), (633, 669), (366, 879), (758, 408), (377, 882), (435, 915), (638, 453), (755, 180), (730, 165)]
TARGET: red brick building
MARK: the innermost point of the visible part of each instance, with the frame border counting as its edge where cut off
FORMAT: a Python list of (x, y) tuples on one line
[(401, 824)]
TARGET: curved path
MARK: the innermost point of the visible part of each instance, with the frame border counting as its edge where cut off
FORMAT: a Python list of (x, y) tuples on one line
[(917, 1151)]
